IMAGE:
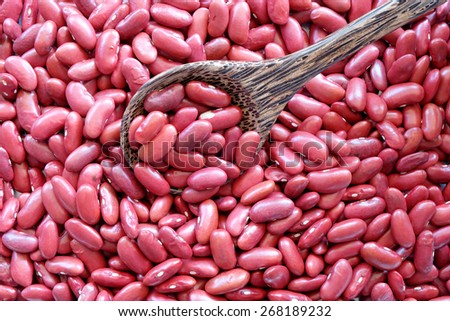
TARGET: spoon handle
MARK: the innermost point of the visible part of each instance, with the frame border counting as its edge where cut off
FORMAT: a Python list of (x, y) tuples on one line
[(297, 68)]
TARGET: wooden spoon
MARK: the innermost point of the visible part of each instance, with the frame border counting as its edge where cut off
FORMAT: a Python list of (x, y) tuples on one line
[(262, 89)]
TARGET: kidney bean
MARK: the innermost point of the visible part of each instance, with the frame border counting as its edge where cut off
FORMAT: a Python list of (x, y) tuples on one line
[(246, 294), (378, 226), (170, 16), (337, 281), (304, 107), (342, 250), (84, 234), (403, 94), (20, 242), (380, 257), (424, 292), (284, 295), (176, 284), (407, 181), (136, 18), (132, 257), (382, 292), (208, 217), (174, 243), (402, 229), (306, 284), (111, 278), (424, 252), (227, 281), (291, 256), (259, 257), (431, 121), (277, 277), (82, 31), (403, 179), (331, 92), (347, 230), (162, 272), (271, 209), (66, 265), (170, 44), (363, 59)]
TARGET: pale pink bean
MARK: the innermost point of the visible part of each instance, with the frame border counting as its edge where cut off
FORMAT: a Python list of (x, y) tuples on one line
[(238, 27), (143, 48), (97, 117), (82, 31), (218, 18), (170, 16)]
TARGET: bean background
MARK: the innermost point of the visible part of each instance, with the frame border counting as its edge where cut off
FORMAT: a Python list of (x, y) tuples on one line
[(347, 200)]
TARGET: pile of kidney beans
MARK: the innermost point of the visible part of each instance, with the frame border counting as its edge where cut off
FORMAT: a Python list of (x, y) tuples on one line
[(346, 200)]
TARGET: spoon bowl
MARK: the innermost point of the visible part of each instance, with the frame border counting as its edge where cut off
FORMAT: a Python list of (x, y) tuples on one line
[(262, 89)]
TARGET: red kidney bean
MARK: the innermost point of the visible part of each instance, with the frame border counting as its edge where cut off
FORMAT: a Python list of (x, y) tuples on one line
[(155, 150), (356, 94), (132, 257), (228, 281), (318, 180), (431, 121), (88, 206), (66, 265), (424, 252), (314, 233), (276, 277), (304, 107), (271, 209), (170, 16), (21, 70), (360, 278), (307, 284), (84, 234), (222, 249), (403, 94), (424, 292), (259, 257), (176, 284), (174, 243), (380, 257), (377, 227), (111, 278), (331, 92), (82, 31), (199, 267), (337, 281), (382, 292), (407, 181), (251, 236), (401, 69), (218, 18), (170, 44), (82, 156), (284, 295), (207, 222), (32, 211), (402, 229), (361, 61), (291, 256), (342, 250), (138, 19), (20, 242), (162, 272), (347, 230), (402, 177)]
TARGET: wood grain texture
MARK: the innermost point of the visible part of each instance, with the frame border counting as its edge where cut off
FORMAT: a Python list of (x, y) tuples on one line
[(262, 89)]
